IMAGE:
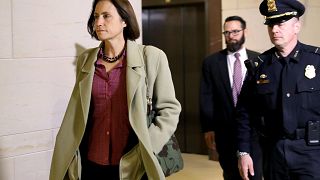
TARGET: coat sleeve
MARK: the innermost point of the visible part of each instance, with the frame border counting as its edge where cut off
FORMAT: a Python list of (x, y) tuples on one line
[(243, 116), (167, 106)]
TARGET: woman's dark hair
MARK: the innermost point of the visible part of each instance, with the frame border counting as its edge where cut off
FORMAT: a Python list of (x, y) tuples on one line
[(126, 12), (237, 18)]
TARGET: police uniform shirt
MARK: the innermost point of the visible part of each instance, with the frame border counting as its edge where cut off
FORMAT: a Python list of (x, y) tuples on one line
[(286, 92)]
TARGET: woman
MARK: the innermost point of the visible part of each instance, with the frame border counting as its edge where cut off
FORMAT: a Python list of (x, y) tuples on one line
[(106, 120)]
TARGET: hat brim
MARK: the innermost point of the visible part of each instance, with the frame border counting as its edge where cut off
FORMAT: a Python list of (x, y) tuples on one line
[(278, 20)]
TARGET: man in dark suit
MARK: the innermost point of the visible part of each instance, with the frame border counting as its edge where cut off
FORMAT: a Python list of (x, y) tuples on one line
[(222, 75)]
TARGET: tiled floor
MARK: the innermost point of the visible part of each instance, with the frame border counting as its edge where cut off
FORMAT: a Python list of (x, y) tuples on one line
[(198, 167)]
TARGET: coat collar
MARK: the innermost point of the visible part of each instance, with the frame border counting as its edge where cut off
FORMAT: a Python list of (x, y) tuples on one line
[(91, 56), (134, 55), (135, 70)]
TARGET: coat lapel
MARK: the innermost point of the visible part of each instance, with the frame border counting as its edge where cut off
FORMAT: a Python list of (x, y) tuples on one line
[(134, 65), (135, 74), (85, 83)]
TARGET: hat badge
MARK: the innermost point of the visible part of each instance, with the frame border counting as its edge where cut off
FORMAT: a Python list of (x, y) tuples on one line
[(310, 72), (271, 5)]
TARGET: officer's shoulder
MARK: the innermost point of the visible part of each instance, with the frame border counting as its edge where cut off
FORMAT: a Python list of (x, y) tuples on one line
[(266, 55), (258, 60), (268, 52), (311, 49)]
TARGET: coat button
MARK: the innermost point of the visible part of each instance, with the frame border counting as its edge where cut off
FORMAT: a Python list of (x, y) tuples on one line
[(288, 95)]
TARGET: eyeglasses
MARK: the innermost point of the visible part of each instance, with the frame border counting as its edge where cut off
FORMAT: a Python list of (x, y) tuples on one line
[(233, 32)]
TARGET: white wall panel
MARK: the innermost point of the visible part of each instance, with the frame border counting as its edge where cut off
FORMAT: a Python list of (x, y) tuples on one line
[(5, 29), (33, 166), (26, 143), (7, 168), (45, 28), (34, 93)]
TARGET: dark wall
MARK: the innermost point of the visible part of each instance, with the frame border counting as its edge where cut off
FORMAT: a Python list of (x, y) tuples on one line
[(182, 31), (212, 13)]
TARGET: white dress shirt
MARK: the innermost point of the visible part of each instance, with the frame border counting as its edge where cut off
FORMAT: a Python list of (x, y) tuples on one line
[(231, 59)]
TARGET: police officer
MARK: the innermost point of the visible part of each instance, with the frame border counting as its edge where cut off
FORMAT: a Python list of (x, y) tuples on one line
[(281, 100)]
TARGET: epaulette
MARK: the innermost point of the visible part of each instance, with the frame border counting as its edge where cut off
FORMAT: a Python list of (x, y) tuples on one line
[(317, 50), (312, 49)]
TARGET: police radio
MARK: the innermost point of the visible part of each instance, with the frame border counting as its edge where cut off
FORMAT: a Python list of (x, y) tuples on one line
[(313, 133)]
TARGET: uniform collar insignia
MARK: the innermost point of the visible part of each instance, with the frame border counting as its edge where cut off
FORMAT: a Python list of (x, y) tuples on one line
[(277, 55)]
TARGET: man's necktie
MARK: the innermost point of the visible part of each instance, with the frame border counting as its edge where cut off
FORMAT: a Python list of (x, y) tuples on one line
[(237, 79), (288, 102)]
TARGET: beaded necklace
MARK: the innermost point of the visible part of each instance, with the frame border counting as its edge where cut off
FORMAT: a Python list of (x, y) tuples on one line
[(112, 59)]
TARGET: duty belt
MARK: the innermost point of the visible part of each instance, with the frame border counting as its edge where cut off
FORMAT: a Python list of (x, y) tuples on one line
[(298, 134)]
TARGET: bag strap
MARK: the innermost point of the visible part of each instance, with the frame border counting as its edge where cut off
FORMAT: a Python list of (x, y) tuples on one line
[(149, 95)]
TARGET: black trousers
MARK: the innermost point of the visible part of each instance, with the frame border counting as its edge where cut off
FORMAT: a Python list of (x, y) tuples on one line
[(229, 161), (93, 171), (229, 166), (286, 159)]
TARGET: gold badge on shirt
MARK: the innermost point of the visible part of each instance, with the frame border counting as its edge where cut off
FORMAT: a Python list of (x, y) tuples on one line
[(263, 79), (310, 71)]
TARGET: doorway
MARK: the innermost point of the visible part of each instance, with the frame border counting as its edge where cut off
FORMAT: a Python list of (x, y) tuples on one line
[(180, 31)]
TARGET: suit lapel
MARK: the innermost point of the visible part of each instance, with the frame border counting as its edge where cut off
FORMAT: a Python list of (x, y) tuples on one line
[(224, 73), (251, 55)]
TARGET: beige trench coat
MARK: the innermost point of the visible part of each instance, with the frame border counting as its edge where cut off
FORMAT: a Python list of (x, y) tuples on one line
[(66, 160)]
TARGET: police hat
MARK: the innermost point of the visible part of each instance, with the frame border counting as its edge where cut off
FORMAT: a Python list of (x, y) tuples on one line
[(277, 11)]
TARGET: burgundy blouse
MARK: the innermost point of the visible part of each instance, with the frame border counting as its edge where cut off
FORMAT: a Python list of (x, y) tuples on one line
[(110, 135)]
